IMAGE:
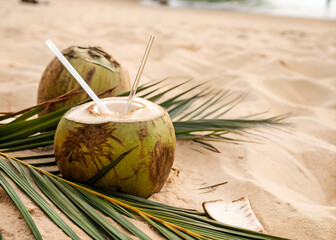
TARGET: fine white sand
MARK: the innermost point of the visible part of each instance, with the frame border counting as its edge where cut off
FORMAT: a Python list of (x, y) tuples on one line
[(286, 65)]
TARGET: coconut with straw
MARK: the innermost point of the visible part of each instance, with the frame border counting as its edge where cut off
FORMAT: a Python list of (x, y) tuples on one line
[(99, 70), (117, 143)]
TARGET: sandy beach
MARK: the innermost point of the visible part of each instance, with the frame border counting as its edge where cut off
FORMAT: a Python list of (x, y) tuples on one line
[(286, 65)]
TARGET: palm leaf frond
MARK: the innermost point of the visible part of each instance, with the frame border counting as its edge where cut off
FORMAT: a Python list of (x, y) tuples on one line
[(17, 201), (25, 143), (110, 209), (37, 198), (74, 205), (71, 193), (66, 206), (196, 112), (171, 222)]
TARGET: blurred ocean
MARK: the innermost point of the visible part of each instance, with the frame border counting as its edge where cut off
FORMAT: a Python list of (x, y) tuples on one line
[(295, 8)]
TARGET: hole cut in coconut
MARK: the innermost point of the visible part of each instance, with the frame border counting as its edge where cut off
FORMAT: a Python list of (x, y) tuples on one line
[(116, 107), (141, 110)]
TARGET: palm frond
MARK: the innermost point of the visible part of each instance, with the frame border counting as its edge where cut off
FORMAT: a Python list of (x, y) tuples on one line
[(37, 198), (66, 206), (17, 201), (31, 111), (171, 222), (70, 192), (196, 111), (70, 202), (110, 209)]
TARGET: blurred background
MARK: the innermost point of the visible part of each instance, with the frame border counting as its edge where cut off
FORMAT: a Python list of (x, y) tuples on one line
[(295, 8)]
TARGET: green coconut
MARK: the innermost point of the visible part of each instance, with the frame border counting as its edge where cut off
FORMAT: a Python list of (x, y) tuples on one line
[(99, 69), (86, 141)]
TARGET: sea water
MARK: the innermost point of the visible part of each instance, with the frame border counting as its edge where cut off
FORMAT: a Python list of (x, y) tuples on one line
[(325, 9)]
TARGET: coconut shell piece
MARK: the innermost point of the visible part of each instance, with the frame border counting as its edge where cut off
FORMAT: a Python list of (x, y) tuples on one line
[(236, 213)]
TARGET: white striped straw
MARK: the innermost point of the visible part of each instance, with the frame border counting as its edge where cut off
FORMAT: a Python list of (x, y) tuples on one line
[(75, 74)]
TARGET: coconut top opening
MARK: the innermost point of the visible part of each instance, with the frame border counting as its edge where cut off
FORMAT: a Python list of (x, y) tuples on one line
[(140, 110)]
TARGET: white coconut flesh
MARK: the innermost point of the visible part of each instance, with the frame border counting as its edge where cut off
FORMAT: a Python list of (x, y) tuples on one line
[(140, 110)]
